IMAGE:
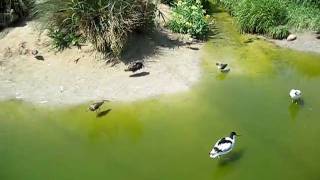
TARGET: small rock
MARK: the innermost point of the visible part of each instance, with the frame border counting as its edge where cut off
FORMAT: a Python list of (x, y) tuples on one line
[(318, 37), (291, 37), (34, 52)]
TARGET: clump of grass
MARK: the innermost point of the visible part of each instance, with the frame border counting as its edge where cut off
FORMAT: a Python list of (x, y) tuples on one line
[(304, 17), (274, 17), (188, 17), (258, 16), (278, 32), (105, 23)]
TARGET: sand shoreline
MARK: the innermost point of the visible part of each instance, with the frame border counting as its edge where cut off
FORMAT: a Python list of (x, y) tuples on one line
[(59, 80), (306, 42)]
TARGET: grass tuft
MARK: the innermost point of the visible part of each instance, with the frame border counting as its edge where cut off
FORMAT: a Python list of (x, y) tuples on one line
[(258, 16), (105, 23), (278, 32)]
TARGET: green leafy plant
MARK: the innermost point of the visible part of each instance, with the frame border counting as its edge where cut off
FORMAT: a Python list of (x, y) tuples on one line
[(64, 39), (189, 18)]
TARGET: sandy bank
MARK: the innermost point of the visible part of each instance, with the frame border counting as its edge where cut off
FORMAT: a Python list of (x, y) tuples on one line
[(306, 41), (170, 68)]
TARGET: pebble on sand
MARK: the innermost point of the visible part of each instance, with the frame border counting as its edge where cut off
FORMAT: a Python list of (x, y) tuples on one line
[(291, 37)]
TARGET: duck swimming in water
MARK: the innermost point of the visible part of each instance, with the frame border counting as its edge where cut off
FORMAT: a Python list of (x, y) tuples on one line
[(222, 67), (223, 145), (295, 95)]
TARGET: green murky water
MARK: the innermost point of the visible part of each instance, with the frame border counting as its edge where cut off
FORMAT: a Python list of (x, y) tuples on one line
[(170, 137)]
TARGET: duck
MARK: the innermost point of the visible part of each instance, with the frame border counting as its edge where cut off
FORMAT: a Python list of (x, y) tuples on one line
[(135, 67), (222, 67), (96, 106), (295, 95), (223, 145)]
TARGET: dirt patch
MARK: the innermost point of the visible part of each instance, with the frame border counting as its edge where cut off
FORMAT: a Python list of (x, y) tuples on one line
[(80, 75)]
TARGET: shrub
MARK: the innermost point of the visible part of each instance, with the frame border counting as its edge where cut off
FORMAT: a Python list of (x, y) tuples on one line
[(258, 16), (105, 23), (14, 10), (189, 18)]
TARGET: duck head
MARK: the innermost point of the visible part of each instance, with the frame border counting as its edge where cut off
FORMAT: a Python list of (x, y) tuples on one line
[(233, 135)]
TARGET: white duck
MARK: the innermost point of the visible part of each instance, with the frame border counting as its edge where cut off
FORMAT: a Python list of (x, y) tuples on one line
[(223, 146), (295, 95)]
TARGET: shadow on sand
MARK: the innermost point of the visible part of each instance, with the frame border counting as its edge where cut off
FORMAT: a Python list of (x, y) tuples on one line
[(141, 74), (141, 45), (194, 48)]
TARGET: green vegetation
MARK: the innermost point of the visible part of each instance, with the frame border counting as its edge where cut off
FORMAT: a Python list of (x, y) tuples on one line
[(229, 5), (64, 39), (304, 16), (274, 17), (105, 23), (205, 3), (258, 16), (15, 10), (189, 18), (278, 32), (306, 2)]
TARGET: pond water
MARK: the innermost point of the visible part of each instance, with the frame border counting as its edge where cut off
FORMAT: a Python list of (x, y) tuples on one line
[(170, 137)]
